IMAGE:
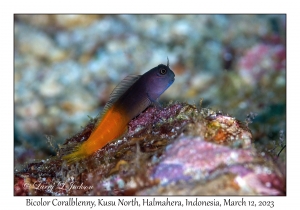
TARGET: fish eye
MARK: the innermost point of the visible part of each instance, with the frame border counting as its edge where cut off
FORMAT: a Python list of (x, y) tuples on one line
[(163, 71)]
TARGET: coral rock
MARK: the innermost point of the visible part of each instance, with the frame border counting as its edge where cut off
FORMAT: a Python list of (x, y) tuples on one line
[(176, 150)]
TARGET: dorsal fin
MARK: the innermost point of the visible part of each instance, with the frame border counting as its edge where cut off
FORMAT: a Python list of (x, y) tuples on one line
[(121, 88), (118, 91)]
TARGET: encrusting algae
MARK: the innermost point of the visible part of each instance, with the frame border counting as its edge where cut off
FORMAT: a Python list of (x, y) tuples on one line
[(132, 96), (169, 150)]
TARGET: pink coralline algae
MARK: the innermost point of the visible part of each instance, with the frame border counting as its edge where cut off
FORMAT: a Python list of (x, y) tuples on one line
[(152, 116), (191, 156), (179, 149), (260, 59), (192, 159)]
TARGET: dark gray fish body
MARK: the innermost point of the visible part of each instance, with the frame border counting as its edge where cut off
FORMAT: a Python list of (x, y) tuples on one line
[(145, 90)]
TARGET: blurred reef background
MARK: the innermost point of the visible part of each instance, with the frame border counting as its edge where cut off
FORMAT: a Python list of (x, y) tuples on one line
[(65, 67)]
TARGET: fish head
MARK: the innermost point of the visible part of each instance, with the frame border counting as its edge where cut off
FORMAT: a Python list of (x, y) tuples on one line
[(158, 80)]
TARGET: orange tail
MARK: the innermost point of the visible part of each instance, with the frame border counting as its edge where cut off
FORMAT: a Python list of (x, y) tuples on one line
[(78, 153)]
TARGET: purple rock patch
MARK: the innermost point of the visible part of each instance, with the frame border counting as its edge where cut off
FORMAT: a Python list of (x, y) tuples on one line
[(192, 157)]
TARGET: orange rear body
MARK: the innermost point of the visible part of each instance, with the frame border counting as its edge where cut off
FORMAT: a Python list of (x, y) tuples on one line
[(112, 125)]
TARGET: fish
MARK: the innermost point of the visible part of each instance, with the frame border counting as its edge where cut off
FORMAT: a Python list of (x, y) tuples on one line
[(129, 98)]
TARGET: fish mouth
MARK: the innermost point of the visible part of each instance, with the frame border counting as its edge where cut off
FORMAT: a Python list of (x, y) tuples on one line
[(171, 81)]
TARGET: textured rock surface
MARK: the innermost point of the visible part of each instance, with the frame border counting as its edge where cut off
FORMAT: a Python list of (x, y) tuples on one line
[(173, 150)]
